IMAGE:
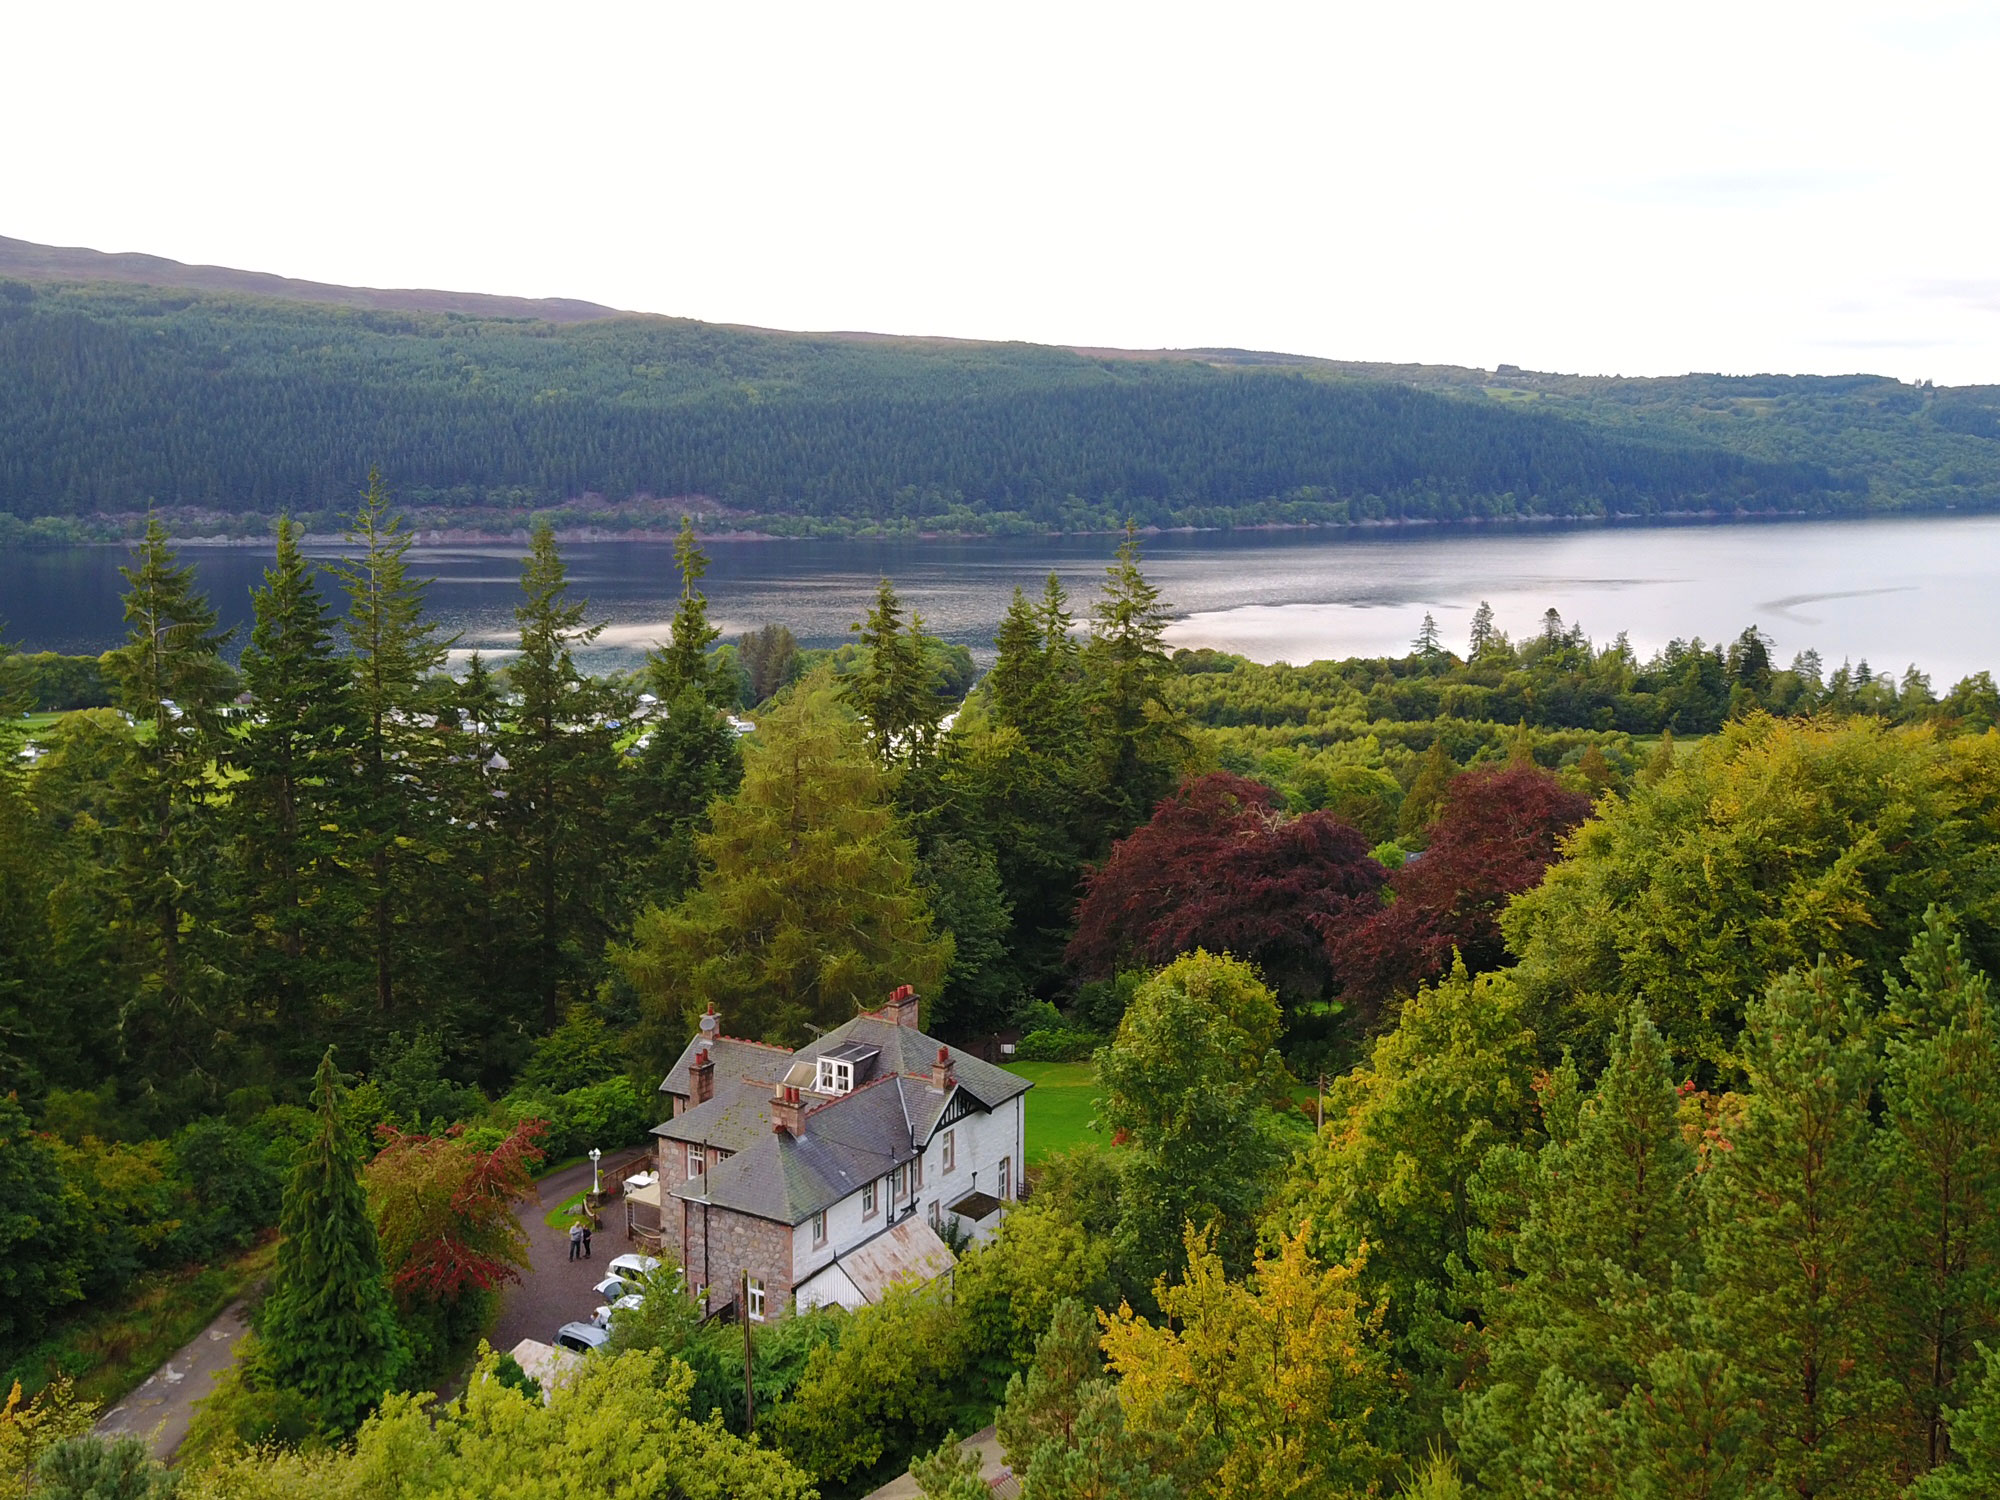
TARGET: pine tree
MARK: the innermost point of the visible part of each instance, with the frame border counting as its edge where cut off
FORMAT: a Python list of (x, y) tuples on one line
[(328, 1329), (1799, 1251), (1428, 644), (1483, 632), (1941, 1161), (395, 650), (172, 680), (562, 809), (1587, 1275), (292, 761), (1426, 797)]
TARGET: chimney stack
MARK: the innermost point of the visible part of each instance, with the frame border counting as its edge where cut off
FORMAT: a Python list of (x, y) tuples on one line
[(944, 1072), (902, 1007), (788, 1112), (701, 1073)]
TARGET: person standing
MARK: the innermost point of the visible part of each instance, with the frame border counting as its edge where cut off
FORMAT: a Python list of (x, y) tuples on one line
[(575, 1238), (586, 1239)]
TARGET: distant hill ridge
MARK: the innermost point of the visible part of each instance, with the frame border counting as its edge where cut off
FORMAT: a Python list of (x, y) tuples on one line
[(129, 381), (34, 262)]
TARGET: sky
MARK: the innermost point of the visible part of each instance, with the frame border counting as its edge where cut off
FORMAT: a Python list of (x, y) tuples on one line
[(1595, 188)]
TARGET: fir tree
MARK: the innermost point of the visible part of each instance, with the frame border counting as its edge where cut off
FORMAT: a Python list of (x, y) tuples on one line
[(896, 690), (172, 680), (561, 811), (1140, 737), (395, 650), (328, 1329), (292, 761), (684, 661)]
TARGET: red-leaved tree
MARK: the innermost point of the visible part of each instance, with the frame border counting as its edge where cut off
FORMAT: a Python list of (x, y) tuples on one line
[(444, 1210), (1220, 866), (1499, 830)]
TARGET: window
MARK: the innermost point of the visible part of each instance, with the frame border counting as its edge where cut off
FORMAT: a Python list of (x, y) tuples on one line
[(819, 1229), (916, 1174), (835, 1077), (756, 1300), (697, 1160), (895, 1185), (867, 1200), (1005, 1179), (950, 1150)]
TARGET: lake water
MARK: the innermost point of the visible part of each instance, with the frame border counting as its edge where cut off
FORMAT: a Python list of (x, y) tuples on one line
[(1897, 591)]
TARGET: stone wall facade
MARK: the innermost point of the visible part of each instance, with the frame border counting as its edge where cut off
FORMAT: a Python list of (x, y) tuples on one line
[(717, 1245)]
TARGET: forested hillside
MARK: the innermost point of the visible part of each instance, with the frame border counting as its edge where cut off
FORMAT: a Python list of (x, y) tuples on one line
[(232, 408)]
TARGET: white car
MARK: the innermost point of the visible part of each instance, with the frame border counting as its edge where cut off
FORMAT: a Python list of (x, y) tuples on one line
[(603, 1316), (633, 1268), (581, 1338), (611, 1288)]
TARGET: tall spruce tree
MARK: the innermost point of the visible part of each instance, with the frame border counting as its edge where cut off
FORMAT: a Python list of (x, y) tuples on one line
[(295, 903), (562, 811), (1941, 1165), (173, 682), (328, 1329), (684, 662), (1799, 1252), (395, 649)]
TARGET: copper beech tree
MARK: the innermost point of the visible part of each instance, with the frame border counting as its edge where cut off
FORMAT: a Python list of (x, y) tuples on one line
[(1221, 866)]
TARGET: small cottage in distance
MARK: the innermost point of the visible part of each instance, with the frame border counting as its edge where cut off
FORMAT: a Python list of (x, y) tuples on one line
[(825, 1175)]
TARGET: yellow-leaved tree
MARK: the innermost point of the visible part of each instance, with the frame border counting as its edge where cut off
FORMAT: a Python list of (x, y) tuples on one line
[(1272, 1386)]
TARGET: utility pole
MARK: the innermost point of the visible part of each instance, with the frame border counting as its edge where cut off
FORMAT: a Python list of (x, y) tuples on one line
[(749, 1394)]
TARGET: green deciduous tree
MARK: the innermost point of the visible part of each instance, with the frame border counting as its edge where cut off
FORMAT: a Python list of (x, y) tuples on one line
[(810, 907), (328, 1327), (1189, 1083)]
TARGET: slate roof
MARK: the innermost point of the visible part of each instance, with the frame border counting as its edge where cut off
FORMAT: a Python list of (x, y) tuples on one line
[(848, 1139), (734, 1058)]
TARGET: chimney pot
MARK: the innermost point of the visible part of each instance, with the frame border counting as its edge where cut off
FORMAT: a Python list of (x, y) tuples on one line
[(902, 1006), (788, 1112), (701, 1074)]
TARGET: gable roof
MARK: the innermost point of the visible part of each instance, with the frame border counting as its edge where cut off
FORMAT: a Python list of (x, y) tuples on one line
[(847, 1142), (908, 1051)]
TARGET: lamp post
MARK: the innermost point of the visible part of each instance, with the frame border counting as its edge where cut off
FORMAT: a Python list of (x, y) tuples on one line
[(596, 1187)]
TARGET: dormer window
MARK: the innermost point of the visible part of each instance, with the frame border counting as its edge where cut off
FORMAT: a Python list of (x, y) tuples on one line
[(835, 1076)]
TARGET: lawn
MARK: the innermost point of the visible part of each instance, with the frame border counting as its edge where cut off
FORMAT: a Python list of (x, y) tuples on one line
[(1060, 1107), (113, 1346)]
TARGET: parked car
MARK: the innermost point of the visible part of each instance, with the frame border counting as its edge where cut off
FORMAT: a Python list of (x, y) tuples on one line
[(581, 1338), (603, 1316), (633, 1268), (611, 1288)]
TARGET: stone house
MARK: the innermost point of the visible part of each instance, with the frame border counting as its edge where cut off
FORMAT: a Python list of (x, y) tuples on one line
[(826, 1173)]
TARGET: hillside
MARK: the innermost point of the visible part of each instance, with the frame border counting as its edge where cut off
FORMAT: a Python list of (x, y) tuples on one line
[(234, 395)]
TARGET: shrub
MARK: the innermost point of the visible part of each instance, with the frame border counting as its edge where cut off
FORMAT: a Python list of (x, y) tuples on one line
[(1058, 1044)]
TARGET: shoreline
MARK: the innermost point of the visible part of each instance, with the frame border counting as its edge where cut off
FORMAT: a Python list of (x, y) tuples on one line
[(459, 536)]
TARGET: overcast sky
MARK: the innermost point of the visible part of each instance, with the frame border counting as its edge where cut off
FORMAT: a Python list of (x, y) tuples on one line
[(1602, 187)]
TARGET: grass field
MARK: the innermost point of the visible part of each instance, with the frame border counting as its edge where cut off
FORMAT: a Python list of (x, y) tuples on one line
[(1060, 1107)]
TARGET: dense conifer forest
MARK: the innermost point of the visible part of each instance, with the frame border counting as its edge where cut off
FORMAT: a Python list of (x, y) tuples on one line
[(231, 408)]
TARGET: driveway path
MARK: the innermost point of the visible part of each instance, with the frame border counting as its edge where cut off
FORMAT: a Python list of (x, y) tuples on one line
[(555, 1290), (158, 1413)]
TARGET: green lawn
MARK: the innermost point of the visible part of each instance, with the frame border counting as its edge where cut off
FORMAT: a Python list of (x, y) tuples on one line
[(1060, 1107)]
